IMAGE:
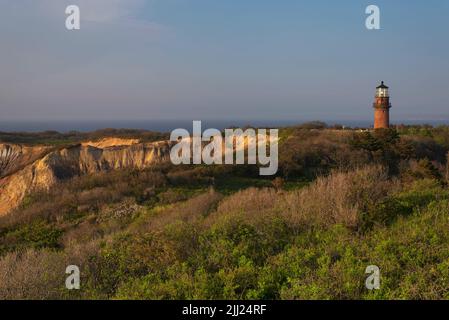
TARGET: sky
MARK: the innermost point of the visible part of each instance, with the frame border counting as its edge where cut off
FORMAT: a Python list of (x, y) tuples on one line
[(222, 59)]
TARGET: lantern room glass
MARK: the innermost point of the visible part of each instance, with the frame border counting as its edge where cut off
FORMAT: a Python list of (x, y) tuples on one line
[(382, 92)]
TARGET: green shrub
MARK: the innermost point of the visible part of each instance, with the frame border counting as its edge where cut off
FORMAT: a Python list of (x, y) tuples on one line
[(36, 235)]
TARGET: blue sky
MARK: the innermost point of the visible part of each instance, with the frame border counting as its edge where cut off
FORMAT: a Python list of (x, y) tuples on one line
[(222, 59)]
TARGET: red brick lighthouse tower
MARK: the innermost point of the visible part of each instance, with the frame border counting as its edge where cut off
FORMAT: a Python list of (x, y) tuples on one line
[(382, 107)]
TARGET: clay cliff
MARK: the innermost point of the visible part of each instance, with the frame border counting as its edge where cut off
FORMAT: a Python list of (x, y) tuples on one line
[(40, 168), (14, 157)]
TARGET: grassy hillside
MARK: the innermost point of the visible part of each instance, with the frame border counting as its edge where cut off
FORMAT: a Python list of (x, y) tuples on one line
[(342, 200)]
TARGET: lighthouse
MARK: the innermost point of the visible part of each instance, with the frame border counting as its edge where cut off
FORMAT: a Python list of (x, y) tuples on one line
[(382, 107)]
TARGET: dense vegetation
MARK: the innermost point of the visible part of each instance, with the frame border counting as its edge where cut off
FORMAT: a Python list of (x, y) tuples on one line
[(342, 200)]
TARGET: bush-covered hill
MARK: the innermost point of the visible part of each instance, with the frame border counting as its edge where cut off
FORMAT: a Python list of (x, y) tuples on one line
[(342, 200)]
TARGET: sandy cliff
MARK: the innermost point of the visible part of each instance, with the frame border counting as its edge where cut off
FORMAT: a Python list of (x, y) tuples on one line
[(110, 142), (14, 157), (81, 159)]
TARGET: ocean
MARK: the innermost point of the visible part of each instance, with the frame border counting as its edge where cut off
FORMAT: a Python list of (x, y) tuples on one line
[(169, 125)]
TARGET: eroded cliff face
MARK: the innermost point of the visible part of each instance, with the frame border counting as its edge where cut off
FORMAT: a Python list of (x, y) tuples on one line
[(14, 157), (81, 159)]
